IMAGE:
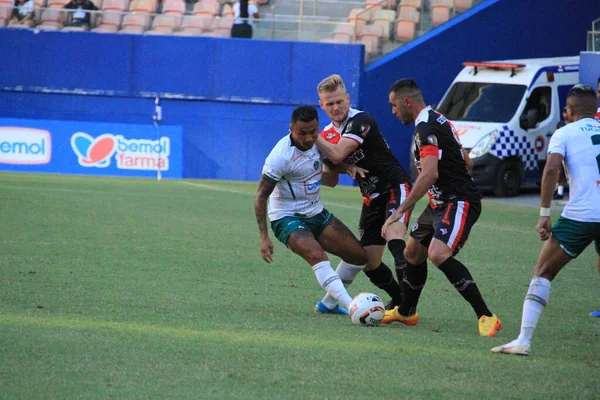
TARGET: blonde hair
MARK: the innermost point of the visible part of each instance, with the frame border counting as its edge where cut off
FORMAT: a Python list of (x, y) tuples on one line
[(331, 83)]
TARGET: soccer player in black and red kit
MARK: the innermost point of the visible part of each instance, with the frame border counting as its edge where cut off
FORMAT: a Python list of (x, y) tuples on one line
[(454, 207), (353, 137)]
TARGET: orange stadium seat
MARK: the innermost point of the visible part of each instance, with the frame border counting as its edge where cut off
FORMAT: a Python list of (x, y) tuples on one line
[(57, 3), (51, 19), (439, 11), (164, 25), (109, 22), (5, 13), (344, 33), (373, 32), (406, 24), (143, 6), (133, 23), (114, 5), (463, 5), (385, 18), (415, 5), (358, 17), (373, 6), (222, 27), (227, 11), (206, 8), (370, 48), (173, 7), (191, 26)]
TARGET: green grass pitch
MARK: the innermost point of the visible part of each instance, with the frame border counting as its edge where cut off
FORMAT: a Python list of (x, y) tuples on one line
[(138, 289)]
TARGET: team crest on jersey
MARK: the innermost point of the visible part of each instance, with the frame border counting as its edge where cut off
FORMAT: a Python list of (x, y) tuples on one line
[(364, 129), (444, 231), (417, 141), (348, 127), (316, 165), (431, 139)]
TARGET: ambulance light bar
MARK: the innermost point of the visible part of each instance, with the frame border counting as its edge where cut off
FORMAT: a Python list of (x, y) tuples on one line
[(493, 65)]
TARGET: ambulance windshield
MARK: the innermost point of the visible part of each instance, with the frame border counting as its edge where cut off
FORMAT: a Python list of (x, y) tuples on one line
[(482, 102)]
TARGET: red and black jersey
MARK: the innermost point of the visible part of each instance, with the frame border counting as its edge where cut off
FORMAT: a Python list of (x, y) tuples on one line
[(435, 136), (372, 154)]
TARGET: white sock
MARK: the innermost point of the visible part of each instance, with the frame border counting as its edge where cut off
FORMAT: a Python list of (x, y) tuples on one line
[(535, 302), (560, 190), (331, 282), (347, 273)]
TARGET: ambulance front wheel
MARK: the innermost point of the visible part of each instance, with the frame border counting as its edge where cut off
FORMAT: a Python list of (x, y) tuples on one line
[(508, 179)]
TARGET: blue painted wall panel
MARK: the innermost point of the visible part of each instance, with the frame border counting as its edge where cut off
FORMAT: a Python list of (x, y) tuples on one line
[(175, 65), (65, 60), (589, 70), (307, 70), (254, 70)]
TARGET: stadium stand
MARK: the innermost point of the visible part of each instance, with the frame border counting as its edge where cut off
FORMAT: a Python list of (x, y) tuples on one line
[(379, 25)]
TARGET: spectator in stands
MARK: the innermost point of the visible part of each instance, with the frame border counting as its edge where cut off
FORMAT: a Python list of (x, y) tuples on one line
[(22, 13), (81, 16), (244, 15)]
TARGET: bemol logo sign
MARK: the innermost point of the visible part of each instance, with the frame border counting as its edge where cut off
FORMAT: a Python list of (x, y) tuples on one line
[(133, 154), (24, 146)]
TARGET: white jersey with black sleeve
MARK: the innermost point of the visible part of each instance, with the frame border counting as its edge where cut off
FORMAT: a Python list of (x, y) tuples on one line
[(298, 177), (579, 144)]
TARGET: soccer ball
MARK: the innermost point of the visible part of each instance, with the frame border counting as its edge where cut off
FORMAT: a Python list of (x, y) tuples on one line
[(366, 309)]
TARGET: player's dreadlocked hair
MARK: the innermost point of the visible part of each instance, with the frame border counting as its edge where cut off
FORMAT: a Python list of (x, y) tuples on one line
[(331, 83), (304, 114)]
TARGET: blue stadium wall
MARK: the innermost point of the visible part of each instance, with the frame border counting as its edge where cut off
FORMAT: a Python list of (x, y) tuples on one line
[(493, 30), (225, 102), (589, 71)]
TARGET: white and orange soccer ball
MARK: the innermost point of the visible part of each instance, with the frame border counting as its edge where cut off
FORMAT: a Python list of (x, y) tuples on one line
[(366, 309)]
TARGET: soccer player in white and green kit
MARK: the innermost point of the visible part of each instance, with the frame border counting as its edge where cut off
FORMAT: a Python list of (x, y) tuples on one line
[(291, 184), (578, 143)]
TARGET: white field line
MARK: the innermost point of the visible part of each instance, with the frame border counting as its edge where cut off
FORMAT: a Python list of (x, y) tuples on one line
[(342, 205), (220, 189)]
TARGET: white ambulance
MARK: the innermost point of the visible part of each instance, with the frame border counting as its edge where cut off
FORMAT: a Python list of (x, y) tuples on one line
[(505, 112)]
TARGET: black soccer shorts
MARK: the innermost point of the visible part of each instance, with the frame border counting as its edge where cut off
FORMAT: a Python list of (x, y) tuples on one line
[(450, 223), (376, 212)]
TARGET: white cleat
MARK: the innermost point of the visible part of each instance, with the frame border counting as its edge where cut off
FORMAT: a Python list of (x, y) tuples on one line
[(513, 347)]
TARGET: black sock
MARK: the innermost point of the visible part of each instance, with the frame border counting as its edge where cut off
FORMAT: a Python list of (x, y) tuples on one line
[(412, 284), (383, 278), (460, 277), (396, 247)]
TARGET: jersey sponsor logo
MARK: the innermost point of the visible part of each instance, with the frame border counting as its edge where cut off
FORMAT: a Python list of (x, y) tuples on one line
[(355, 157), (415, 227), (312, 187), (444, 231), (360, 234), (331, 135), (590, 128), (25, 146), (442, 119)]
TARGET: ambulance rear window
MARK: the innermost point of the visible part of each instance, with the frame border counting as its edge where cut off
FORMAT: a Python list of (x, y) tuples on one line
[(482, 102)]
